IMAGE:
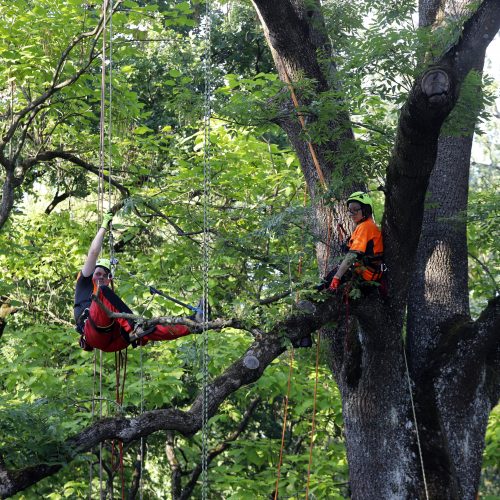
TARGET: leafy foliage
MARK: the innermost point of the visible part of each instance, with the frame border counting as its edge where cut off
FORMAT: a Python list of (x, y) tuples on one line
[(258, 219)]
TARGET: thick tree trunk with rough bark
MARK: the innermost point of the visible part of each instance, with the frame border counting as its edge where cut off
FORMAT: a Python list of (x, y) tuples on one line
[(440, 293), (296, 35), (368, 361)]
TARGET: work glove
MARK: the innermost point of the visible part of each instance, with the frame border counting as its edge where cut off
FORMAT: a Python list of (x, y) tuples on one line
[(334, 285), (106, 220)]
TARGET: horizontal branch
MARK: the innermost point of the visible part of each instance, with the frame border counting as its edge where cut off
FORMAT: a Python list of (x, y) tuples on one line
[(264, 350), (76, 160)]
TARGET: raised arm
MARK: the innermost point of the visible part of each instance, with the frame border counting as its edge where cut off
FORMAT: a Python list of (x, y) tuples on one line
[(96, 246)]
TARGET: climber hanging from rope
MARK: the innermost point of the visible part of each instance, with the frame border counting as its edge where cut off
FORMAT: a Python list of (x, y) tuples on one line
[(364, 248), (96, 329)]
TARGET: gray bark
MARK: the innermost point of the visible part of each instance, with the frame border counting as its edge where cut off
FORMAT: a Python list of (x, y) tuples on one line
[(296, 34), (439, 293)]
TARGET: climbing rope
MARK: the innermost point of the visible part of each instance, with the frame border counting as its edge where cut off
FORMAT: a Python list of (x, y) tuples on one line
[(205, 244), (302, 121), (93, 409), (120, 364), (141, 450), (317, 166), (313, 423), (410, 390), (101, 490), (329, 221), (285, 415), (120, 359), (101, 189)]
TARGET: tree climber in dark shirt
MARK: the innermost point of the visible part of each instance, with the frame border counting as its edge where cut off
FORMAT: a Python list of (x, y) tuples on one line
[(97, 330)]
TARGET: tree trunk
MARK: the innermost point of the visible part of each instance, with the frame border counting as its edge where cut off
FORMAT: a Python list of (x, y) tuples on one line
[(367, 355), (439, 293), (296, 34)]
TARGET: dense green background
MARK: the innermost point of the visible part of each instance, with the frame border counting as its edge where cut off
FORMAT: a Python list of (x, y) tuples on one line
[(258, 219)]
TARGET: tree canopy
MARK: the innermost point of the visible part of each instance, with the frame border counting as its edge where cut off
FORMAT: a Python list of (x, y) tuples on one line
[(389, 96)]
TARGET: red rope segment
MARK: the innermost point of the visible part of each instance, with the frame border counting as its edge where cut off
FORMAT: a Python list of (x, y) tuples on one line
[(285, 411), (313, 427)]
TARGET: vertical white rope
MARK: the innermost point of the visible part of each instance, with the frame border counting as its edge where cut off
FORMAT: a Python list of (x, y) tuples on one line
[(110, 101), (102, 111), (416, 425), (101, 205), (111, 240), (205, 246), (91, 472)]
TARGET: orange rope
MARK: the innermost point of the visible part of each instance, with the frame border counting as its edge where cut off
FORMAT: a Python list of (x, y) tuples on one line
[(314, 157), (284, 423), (295, 101), (120, 361), (313, 416), (322, 180)]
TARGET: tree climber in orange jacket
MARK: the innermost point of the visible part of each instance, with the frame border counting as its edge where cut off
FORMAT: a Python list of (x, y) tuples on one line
[(365, 247), (97, 330)]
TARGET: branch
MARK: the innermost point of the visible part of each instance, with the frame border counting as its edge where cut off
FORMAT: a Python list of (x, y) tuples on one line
[(178, 229), (143, 324), (76, 160), (485, 268), (274, 298), (5, 310), (265, 349), (59, 198), (429, 103), (469, 346), (477, 34), (53, 89)]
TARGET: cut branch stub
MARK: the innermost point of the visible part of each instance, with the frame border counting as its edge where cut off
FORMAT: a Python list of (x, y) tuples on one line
[(435, 85)]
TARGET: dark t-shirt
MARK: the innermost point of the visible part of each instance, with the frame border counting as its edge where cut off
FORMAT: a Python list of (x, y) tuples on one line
[(83, 294)]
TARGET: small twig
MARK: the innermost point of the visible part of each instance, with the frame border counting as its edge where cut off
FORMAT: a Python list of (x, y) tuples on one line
[(487, 271)]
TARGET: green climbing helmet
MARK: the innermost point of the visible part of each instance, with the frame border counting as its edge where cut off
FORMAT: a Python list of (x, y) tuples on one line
[(360, 197), (106, 263)]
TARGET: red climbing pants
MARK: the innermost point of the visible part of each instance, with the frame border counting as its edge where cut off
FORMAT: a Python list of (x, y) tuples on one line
[(112, 334)]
